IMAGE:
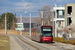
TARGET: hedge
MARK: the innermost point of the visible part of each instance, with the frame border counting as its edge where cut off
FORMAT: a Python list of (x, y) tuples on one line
[(58, 39)]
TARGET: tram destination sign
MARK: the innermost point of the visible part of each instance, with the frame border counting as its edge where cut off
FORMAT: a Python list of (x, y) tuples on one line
[(46, 29)]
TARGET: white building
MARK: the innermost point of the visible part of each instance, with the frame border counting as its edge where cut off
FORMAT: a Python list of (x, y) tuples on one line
[(19, 26), (59, 18)]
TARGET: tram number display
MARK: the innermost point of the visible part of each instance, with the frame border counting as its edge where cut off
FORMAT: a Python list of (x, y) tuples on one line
[(46, 29)]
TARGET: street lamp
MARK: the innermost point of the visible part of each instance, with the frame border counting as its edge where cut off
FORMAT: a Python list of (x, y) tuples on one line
[(30, 23)]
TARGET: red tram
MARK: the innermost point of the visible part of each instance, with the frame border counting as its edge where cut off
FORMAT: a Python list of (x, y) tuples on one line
[(42, 34)]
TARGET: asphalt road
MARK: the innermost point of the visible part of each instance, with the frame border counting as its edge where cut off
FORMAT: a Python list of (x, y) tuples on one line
[(26, 43)]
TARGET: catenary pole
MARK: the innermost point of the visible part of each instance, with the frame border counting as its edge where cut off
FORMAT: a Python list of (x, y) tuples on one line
[(30, 24), (21, 24), (55, 22), (42, 17)]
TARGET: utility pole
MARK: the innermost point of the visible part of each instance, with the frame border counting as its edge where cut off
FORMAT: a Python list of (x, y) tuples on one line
[(21, 24), (5, 24), (48, 22), (55, 22), (44, 23), (30, 24), (41, 16)]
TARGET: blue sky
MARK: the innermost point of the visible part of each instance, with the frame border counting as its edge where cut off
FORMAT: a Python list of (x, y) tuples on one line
[(18, 6)]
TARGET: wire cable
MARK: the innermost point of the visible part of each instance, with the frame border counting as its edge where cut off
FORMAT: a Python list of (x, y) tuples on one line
[(34, 13), (26, 6), (53, 2)]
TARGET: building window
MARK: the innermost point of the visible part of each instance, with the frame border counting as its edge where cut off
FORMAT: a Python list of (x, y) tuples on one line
[(54, 14), (59, 23), (69, 21), (60, 13), (69, 10)]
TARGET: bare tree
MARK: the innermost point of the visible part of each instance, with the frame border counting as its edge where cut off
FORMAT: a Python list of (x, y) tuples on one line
[(70, 29), (38, 21), (47, 15)]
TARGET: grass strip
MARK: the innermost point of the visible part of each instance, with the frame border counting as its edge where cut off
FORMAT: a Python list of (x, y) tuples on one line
[(4, 42)]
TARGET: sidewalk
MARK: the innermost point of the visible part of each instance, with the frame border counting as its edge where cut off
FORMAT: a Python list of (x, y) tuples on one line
[(13, 44)]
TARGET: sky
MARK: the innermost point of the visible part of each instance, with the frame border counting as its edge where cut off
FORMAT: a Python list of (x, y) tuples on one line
[(30, 6)]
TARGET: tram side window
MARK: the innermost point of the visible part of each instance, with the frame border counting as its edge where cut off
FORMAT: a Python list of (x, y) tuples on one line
[(36, 31)]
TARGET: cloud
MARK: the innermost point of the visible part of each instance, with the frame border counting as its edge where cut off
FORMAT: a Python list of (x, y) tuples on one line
[(22, 4), (22, 0), (2, 11), (6, 6), (59, 0), (17, 6), (22, 8)]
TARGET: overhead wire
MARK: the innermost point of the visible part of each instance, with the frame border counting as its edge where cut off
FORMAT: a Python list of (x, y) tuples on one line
[(35, 12), (49, 4), (53, 2), (26, 6)]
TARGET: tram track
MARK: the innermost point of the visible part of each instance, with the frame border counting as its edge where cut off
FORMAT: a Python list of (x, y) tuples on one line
[(49, 44), (28, 43), (38, 47), (24, 47), (53, 45)]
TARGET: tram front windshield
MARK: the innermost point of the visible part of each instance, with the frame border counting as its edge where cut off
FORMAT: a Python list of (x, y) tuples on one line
[(46, 31)]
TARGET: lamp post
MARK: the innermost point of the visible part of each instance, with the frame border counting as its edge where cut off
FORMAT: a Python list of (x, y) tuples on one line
[(29, 24)]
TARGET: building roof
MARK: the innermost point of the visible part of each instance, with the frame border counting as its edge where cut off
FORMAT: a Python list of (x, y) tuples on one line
[(59, 8), (70, 4), (26, 19)]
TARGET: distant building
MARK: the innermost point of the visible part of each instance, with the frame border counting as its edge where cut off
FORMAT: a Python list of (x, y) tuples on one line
[(70, 18), (19, 26), (25, 23), (60, 19)]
